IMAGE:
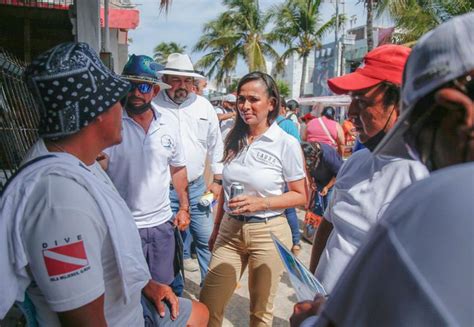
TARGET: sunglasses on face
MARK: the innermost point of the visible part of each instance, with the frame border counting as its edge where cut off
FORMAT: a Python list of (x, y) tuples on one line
[(144, 88), (367, 99)]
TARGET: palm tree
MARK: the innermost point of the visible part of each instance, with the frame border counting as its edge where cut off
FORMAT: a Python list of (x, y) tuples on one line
[(413, 18), (164, 49), (218, 39), (298, 25), (249, 25), (369, 5)]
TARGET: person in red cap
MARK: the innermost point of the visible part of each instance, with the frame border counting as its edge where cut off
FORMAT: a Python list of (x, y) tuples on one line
[(366, 183)]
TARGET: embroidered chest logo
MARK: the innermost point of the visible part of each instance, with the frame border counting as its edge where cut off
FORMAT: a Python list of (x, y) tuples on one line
[(266, 158), (65, 261), (167, 141)]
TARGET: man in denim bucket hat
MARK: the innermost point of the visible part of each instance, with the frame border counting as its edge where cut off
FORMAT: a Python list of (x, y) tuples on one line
[(145, 163), (68, 238)]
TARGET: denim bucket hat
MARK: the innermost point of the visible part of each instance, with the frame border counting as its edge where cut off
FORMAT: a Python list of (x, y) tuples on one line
[(72, 87)]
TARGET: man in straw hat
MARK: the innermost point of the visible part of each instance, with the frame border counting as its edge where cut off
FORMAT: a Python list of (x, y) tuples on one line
[(199, 129), (416, 268), (366, 183), (68, 239), (143, 165)]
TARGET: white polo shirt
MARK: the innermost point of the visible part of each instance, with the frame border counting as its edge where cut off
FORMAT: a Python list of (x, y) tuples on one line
[(365, 186), (199, 129), (416, 268), (265, 166), (140, 167)]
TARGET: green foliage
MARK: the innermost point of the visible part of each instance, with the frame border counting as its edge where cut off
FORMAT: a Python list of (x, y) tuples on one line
[(164, 49), (233, 86), (413, 18), (217, 39), (299, 26), (239, 32), (283, 88)]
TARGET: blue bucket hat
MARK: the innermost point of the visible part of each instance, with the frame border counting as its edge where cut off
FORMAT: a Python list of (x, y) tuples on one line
[(143, 69), (72, 87)]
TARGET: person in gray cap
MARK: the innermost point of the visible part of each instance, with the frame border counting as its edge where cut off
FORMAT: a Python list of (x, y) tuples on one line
[(416, 268), (226, 114), (68, 240)]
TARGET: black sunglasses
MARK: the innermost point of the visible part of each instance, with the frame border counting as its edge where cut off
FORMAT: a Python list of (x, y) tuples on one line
[(144, 88)]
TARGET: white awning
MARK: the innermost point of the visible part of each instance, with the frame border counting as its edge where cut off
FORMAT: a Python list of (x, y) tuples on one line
[(333, 100)]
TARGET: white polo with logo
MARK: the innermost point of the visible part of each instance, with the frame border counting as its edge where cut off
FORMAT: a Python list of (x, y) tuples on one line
[(265, 166), (365, 185), (140, 167), (196, 120)]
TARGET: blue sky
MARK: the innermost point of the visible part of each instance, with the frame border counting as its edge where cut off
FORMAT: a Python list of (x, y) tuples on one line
[(183, 23)]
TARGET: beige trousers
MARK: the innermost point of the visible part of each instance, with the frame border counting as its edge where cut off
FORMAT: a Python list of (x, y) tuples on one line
[(239, 245)]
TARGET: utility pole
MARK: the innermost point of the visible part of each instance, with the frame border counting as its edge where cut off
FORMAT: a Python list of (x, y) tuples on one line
[(336, 42)]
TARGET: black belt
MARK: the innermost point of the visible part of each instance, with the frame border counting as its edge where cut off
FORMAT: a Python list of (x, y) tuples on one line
[(252, 219), (189, 183)]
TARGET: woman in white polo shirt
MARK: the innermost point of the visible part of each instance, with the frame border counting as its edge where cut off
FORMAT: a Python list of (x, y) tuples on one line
[(262, 158)]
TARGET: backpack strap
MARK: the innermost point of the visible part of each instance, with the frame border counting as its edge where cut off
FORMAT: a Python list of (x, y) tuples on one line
[(326, 131), (281, 121)]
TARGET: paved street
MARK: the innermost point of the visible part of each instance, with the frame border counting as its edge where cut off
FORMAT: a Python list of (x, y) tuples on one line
[(238, 309)]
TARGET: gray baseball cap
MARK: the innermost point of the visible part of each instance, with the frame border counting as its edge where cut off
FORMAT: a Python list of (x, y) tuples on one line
[(440, 56), (230, 98)]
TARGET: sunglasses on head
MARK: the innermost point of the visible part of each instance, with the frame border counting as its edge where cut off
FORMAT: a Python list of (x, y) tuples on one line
[(144, 88)]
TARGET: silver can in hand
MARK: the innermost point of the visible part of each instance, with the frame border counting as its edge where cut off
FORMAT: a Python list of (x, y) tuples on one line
[(236, 189)]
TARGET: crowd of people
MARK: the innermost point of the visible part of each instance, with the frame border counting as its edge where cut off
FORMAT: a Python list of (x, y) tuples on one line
[(100, 222)]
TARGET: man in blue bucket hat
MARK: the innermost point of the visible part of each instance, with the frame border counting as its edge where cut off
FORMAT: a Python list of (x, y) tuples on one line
[(142, 167), (68, 240)]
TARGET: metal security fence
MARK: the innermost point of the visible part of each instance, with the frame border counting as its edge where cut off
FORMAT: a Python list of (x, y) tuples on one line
[(19, 116)]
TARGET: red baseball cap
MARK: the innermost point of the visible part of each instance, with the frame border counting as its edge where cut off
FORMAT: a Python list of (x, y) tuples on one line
[(307, 117), (384, 63)]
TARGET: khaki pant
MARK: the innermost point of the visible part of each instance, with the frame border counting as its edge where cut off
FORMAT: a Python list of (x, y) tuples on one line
[(239, 245)]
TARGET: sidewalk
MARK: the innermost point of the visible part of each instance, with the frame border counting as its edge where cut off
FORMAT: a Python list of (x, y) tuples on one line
[(237, 312)]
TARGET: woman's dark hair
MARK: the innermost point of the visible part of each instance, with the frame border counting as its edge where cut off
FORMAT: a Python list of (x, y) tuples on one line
[(236, 140), (292, 105), (329, 112)]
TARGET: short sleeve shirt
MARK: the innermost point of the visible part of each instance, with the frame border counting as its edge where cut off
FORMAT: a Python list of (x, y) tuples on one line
[(140, 167), (70, 254), (199, 129), (365, 186), (289, 127), (417, 267), (328, 167), (265, 166)]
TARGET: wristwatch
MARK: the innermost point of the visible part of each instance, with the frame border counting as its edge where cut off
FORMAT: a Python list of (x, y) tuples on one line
[(217, 181)]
